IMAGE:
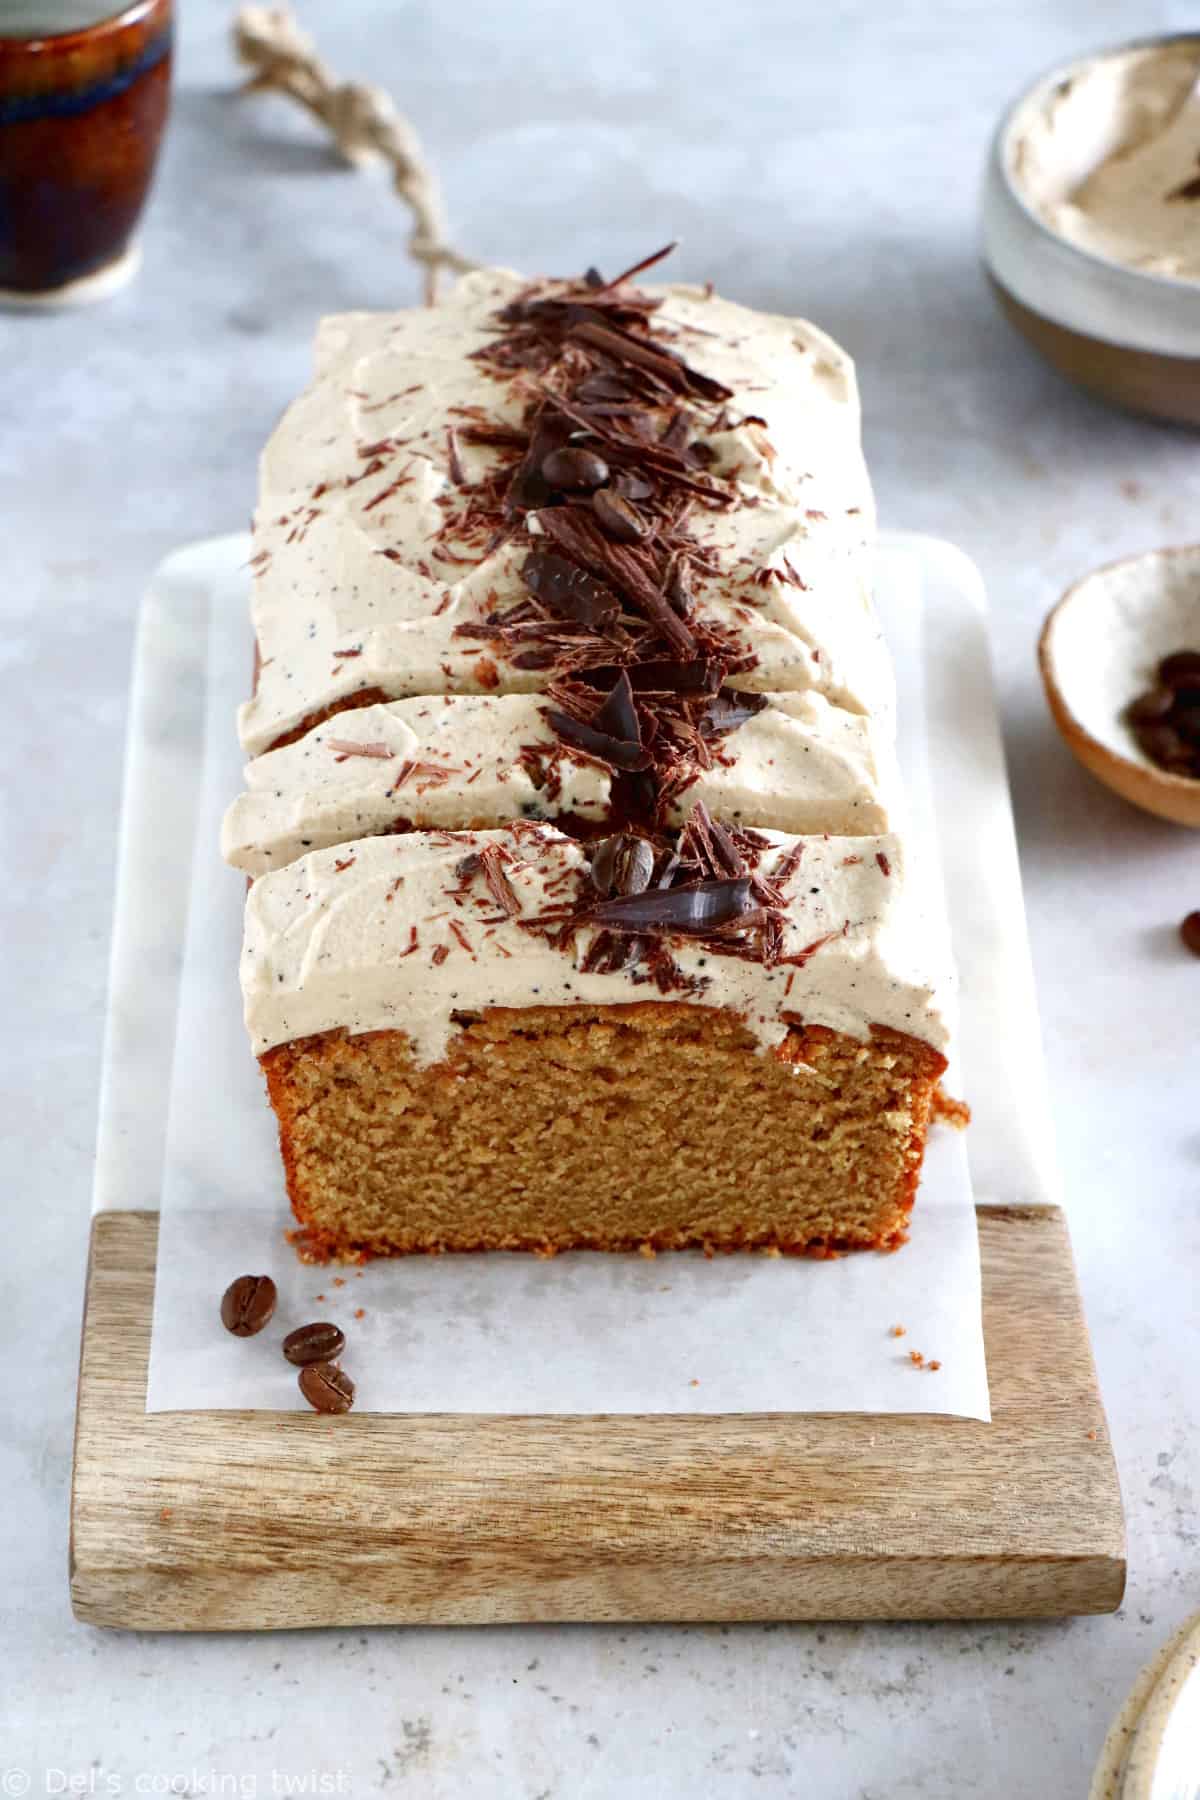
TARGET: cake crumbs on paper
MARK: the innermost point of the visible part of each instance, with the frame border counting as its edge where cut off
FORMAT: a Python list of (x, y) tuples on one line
[(648, 1251), (934, 1365), (339, 1281), (916, 1359), (949, 1110), (1093, 1435), (695, 1381), (360, 1312), (899, 1331), (164, 1512)]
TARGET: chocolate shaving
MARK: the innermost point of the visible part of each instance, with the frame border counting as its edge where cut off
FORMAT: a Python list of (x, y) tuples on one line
[(728, 710), (692, 910), (619, 715), (457, 473), (491, 859), (621, 753), (637, 268), (343, 747), (624, 348), (708, 844)]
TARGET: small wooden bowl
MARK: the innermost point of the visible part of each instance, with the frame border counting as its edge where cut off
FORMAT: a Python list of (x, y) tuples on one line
[(1099, 649), (81, 117)]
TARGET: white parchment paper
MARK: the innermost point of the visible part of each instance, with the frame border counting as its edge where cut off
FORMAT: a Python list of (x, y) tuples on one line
[(582, 1333)]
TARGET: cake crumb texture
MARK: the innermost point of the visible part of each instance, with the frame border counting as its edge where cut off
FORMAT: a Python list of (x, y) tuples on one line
[(610, 1128)]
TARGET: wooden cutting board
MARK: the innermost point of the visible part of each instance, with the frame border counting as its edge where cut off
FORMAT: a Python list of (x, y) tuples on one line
[(260, 1521)]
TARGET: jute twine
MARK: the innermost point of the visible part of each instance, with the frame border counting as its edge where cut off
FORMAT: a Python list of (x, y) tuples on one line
[(362, 119)]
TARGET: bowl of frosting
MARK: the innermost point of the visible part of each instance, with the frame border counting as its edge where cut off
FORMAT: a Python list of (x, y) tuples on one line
[(1091, 223)]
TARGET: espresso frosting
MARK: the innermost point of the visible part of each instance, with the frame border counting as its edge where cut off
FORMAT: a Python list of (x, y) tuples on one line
[(391, 933), (361, 583), (455, 760), (1109, 157)]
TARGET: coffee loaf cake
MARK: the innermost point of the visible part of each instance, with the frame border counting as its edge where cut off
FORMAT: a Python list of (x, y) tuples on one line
[(581, 911)]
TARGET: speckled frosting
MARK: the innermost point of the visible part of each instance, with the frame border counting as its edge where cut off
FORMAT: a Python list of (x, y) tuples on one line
[(389, 934), (454, 760), (1109, 157), (361, 584), (457, 649)]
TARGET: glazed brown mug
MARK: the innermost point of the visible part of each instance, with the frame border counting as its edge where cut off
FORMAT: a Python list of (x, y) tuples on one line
[(83, 102)]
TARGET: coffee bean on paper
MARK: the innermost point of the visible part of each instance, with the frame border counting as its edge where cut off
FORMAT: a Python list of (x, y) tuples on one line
[(322, 1341), (247, 1304), (327, 1388)]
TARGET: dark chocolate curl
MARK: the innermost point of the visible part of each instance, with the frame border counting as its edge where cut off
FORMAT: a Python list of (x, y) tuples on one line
[(619, 715), (693, 910), (622, 754)]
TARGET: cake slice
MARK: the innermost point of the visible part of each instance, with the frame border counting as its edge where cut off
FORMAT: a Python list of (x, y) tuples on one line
[(792, 762), (512, 1040)]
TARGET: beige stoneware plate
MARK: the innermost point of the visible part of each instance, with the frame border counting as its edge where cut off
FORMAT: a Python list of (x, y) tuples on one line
[(1152, 1751)]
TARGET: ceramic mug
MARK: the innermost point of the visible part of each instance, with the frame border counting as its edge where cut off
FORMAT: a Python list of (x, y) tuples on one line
[(81, 118)]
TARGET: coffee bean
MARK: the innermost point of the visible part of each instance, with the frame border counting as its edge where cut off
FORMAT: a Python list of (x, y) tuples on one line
[(1161, 743), (622, 864), (574, 468), (1151, 706), (1186, 721), (1189, 931), (620, 519), (1180, 669), (327, 1388), (247, 1304), (321, 1341), (633, 865)]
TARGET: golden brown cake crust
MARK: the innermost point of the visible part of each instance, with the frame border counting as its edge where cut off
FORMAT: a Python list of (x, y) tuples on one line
[(652, 1126)]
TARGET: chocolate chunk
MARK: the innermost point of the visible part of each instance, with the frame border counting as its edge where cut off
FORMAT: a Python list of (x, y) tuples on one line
[(697, 676), (619, 714), (569, 590), (574, 468), (247, 1304), (321, 1341), (693, 909), (1189, 931), (327, 1388), (618, 516), (631, 486), (1181, 669)]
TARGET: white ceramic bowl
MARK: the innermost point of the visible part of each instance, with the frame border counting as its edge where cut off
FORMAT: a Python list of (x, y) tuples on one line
[(1130, 336)]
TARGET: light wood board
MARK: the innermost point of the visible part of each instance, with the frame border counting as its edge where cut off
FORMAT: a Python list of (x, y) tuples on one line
[(200, 1521)]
